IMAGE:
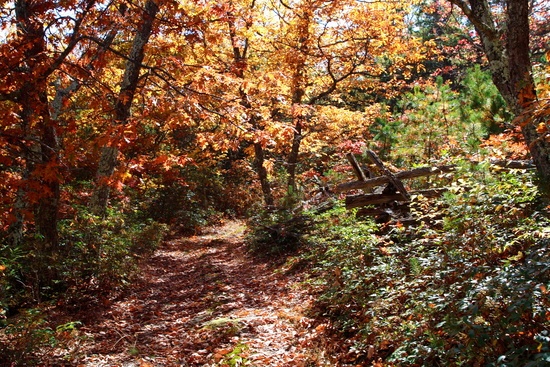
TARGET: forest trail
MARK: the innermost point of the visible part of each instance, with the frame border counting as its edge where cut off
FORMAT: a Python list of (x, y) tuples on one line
[(203, 301)]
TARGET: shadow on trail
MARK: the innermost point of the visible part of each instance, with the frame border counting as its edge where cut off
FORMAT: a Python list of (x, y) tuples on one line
[(195, 300)]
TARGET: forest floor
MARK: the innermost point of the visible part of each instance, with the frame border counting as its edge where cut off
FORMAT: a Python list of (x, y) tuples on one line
[(204, 301)]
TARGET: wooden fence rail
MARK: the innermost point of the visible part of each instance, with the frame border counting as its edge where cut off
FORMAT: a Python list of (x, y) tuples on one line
[(391, 196)]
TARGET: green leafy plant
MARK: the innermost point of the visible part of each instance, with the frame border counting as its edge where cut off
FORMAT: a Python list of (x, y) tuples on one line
[(344, 247), (12, 265), (29, 338), (103, 252), (468, 289), (276, 232), (237, 356)]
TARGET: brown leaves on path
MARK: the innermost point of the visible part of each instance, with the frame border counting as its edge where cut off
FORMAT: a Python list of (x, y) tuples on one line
[(203, 301)]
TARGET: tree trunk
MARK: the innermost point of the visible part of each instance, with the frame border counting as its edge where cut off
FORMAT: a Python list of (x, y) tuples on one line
[(540, 152), (46, 213), (292, 160), (523, 85), (507, 50), (108, 159), (39, 191), (41, 157), (298, 91), (262, 175), (240, 63)]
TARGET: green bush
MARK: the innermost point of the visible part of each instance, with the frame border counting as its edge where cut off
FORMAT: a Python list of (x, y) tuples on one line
[(177, 204), (94, 253), (29, 339), (345, 249), (470, 291), (103, 252), (277, 231), (13, 262)]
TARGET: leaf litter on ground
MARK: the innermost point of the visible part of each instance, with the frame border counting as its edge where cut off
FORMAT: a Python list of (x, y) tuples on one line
[(204, 301)]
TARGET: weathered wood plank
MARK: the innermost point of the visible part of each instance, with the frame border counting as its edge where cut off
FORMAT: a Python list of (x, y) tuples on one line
[(393, 179), (374, 211), (361, 175), (377, 181), (356, 201), (514, 164)]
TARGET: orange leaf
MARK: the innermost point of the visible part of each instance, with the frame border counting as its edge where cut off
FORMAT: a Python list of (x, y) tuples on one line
[(160, 159)]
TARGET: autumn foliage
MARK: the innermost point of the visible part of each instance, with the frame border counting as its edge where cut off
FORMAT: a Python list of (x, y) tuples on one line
[(121, 118)]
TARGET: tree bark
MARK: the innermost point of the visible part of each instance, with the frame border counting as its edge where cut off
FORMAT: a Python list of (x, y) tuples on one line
[(292, 160), (262, 175), (46, 213), (41, 154), (108, 159), (508, 54)]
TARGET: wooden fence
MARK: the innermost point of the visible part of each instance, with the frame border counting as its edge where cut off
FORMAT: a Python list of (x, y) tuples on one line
[(389, 198)]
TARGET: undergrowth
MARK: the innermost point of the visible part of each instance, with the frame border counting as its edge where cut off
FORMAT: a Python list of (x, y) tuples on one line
[(277, 232), (30, 339), (466, 287), (95, 256)]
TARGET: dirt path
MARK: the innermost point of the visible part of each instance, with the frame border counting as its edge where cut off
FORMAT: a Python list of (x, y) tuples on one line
[(202, 301)]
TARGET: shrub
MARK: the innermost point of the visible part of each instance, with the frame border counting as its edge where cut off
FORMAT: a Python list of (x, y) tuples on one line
[(29, 340), (102, 252), (13, 262), (473, 291), (278, 231), (94, 254), (345, 249)]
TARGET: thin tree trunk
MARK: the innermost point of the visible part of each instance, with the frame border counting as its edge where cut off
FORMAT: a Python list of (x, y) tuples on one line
[(262, 175), (240, 61), (46, 213), (292, 160), (109, 154), (298, 91)]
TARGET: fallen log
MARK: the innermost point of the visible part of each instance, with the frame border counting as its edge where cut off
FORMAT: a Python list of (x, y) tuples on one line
[(377, 181), (356, 201)]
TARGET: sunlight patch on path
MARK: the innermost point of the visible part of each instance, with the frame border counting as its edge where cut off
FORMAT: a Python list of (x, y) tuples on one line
[(202, 301)]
